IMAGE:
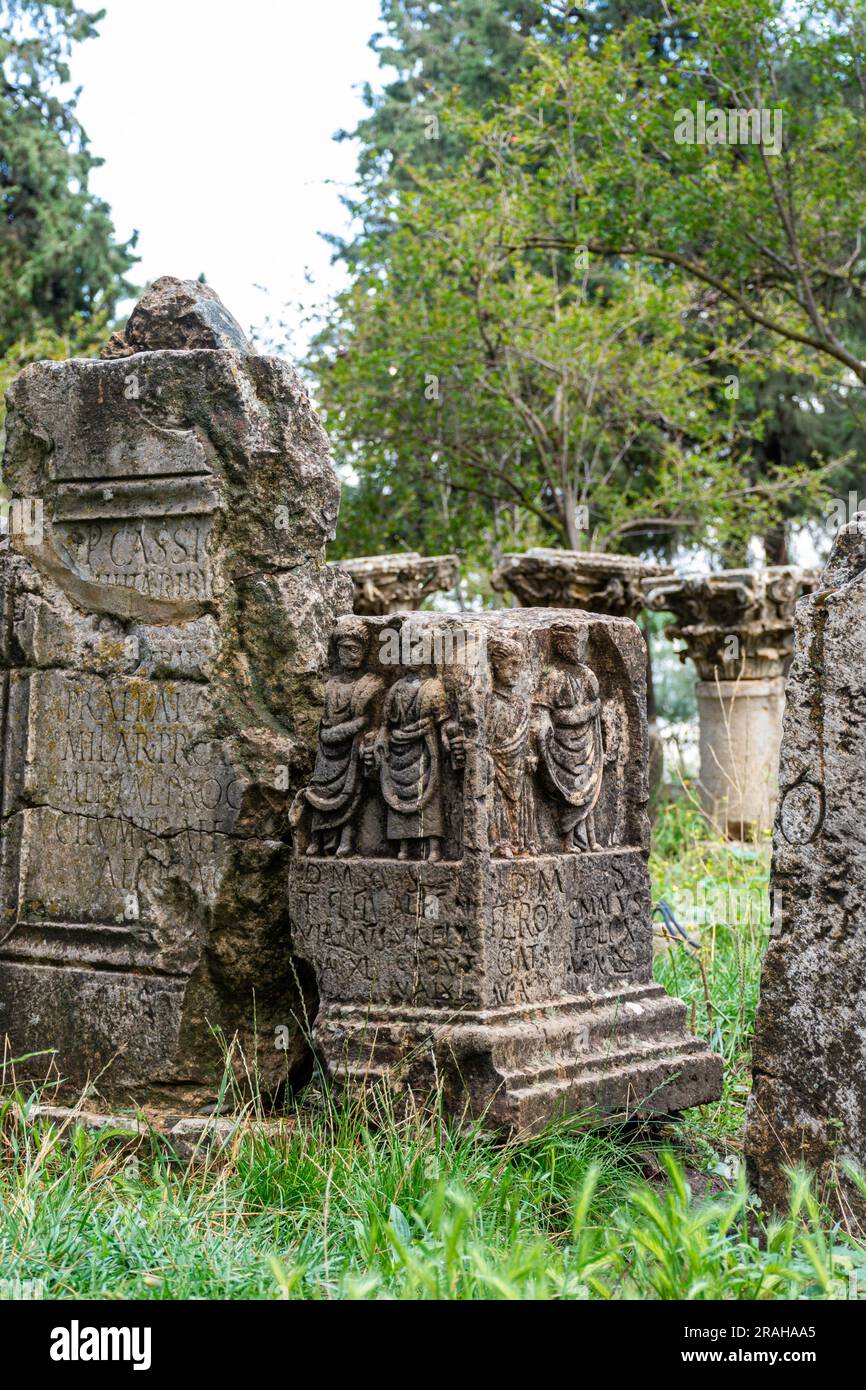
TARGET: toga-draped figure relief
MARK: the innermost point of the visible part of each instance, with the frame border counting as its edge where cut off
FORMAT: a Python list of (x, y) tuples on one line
[(512, 979), (415, 735), (511, 816), (568, 738), (350, 718)]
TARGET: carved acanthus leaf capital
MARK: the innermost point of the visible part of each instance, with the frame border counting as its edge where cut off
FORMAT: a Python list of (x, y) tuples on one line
[(736, 624), (598, 583), (397, 583)]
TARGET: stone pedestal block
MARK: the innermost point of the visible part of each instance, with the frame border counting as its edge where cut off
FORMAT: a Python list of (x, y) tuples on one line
[(470, 883), (165, 612)]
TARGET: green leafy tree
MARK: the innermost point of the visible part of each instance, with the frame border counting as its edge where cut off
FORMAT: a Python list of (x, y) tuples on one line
[(639, 167), (775, 231), (60, 261), (465, 270), (486, 398), (464, 54), (470, 52)]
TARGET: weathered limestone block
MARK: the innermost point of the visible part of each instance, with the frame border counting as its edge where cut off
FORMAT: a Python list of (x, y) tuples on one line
[(738, 629), (470, 881), (398, 583), (178, 314), (165, 612), (808, 1103)]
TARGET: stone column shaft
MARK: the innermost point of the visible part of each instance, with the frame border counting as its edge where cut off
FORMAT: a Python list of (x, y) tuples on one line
[(738, 627)]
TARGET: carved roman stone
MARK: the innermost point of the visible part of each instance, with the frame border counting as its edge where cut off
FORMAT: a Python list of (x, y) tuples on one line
[(165, 617), (738, 629), (808, 1103), (458, 943), (397, 583), (577, 579), (416, 734), (585, 579), (351, 717), (511, 756), (570, 745)]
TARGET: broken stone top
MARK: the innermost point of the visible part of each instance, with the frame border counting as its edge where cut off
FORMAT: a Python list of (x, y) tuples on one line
[(756, 607), (576, 579), (178, 315), (848, 557), (396, 583)]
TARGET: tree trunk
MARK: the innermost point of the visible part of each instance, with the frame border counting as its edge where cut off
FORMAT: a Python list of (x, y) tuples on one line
[(776, 545)]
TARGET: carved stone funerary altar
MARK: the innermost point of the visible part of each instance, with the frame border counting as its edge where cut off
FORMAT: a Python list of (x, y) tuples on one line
[(165, 611), (738, 629), (470, 882)]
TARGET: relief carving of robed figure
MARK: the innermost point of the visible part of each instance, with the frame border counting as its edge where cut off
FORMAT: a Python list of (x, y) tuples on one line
[(351, 715), (510, 794), (568, 736), (415, 733)]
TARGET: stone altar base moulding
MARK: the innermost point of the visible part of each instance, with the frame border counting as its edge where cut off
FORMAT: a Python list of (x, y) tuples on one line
[(470, 877)]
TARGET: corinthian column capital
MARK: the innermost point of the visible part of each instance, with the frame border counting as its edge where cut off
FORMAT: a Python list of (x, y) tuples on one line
[(609, 584), (736, 624)]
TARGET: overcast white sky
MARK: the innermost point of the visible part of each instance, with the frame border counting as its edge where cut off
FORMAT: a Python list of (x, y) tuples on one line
[(215, 123)]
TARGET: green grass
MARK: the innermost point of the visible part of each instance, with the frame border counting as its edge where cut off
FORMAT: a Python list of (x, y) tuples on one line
[(359, 1201), (727, 884)]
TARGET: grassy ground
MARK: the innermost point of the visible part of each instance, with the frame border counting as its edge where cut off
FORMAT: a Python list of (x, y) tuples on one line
[(361, 1203)]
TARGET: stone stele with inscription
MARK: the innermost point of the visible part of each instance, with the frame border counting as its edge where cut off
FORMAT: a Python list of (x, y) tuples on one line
[(470, 881), (165, 615)]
